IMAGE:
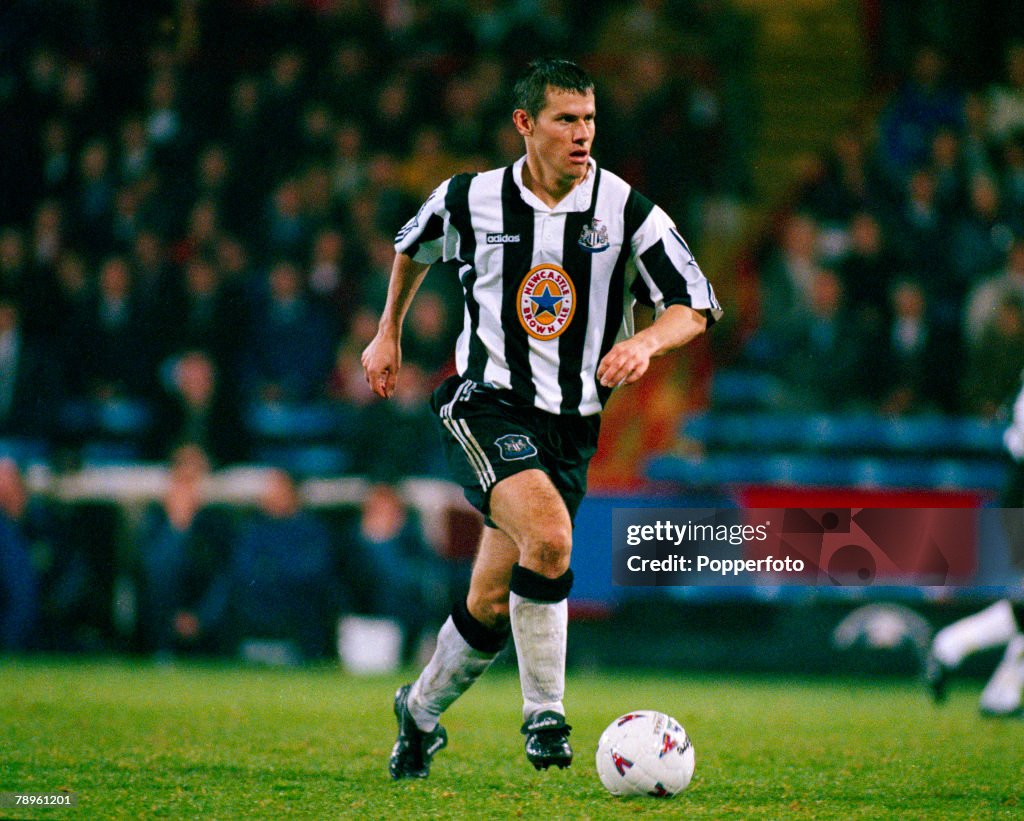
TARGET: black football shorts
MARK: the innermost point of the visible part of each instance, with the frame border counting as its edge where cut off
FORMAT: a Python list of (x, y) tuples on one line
[(489, 435)]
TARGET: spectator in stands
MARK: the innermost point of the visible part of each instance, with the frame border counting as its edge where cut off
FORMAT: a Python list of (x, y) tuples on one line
[(348, 162), (94, 200), (920, 234), (29, 385), (199, 315), (202, 233), (290, 343), (279, 582), (924, 103), (411, 447), (985, 297), (289, 232), (996, 360), (183, 545), (845, 184), (1011, 178), (981, 237), (913, 360), (430, 335), (1006, 99), (56, 163), (975, 147), (787, 276), (404, 578), (822, 366), (950, 177), (19, 582), (868, 268), (197, 409), (110, 345)]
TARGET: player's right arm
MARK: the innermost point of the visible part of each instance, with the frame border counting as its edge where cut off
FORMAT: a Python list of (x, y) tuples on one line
[(383, 356)]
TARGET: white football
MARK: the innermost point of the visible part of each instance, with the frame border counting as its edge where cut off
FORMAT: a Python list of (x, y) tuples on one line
[(645, 753)]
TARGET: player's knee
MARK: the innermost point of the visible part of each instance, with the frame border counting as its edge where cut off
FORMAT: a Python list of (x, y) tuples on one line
[(490, 608), (549, 554)]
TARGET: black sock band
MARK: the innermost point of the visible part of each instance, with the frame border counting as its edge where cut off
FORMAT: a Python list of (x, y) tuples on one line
[(477, 635), (531, 585)]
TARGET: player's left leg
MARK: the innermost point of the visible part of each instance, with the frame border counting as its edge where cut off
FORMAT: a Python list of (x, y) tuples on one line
[(473, 634), (529, 508)]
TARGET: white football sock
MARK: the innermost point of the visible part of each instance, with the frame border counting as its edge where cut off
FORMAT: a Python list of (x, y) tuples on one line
[(1002, 694), (540, 630), (991, 627), (451, 671)]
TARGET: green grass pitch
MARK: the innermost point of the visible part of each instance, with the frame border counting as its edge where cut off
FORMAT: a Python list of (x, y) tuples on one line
[(136, 740)]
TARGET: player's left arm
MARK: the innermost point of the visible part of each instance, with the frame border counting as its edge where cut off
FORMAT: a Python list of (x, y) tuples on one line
[(629, 359)]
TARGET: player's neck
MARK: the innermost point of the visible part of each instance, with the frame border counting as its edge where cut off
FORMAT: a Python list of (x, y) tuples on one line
[(550, 189)]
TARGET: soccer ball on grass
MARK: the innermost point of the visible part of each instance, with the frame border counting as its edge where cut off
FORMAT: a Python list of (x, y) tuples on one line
[(645, 753)]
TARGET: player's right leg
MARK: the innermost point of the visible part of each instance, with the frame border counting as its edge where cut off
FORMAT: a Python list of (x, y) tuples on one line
[(467, 644), (530, 509), (994, 626)]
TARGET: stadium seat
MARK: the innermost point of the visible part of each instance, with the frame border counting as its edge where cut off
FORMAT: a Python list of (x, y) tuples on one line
[(306, 460), (297, 421), (746, 389), (25, 451)]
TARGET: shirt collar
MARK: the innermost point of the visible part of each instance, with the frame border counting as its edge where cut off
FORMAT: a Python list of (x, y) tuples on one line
[(576, 200)]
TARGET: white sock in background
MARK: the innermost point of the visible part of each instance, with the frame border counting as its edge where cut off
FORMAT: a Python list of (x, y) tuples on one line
[(540, 630), (451, 671), (991, 627), (1002, 694)]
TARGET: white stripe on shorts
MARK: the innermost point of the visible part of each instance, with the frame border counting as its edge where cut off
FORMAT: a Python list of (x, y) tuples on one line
[(460, 430)]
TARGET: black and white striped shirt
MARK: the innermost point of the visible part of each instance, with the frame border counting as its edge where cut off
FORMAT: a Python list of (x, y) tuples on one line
[(548, 291)]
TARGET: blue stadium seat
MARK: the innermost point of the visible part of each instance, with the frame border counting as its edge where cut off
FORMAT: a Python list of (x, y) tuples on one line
[(104, 452), (124, 417), (306, 460), (25, 451), (746, 389), (298, 421)]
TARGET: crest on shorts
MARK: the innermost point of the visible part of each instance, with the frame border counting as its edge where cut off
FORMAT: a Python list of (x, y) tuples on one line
[(594, 237), (546, 301), (515, 446)]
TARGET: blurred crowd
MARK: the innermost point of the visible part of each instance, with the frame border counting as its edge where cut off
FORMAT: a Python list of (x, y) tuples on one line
[(200, 198), (190, 576), (896, 281), (197, 206)]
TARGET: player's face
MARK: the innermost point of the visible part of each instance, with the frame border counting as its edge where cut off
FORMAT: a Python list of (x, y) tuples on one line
[(562, 134)]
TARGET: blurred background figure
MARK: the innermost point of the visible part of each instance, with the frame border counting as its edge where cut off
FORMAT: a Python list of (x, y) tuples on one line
[(197, 409), (401, 576), (278, 583), (182, 546), (290, 342), (19, 581), (29, 382)]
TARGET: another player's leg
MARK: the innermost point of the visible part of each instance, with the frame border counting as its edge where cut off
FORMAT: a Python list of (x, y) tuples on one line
[(530, 510), (1002, 694), (467, 643), (991, 627)]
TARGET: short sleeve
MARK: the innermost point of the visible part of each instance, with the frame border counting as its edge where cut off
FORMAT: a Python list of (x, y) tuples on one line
[(422, 237), (667, 273)]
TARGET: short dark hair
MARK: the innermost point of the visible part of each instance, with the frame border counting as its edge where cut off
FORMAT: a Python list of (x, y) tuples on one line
[(530, 91)]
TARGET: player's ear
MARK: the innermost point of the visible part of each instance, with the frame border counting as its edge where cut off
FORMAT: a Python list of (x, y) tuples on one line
[(523, 122)]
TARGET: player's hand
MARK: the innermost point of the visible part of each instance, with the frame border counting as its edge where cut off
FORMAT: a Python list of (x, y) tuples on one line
[(625, 363), (381, 361)]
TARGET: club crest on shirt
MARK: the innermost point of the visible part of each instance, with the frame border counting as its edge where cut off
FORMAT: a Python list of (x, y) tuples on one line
[(594, 237), (546, 301), (514, 446)]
